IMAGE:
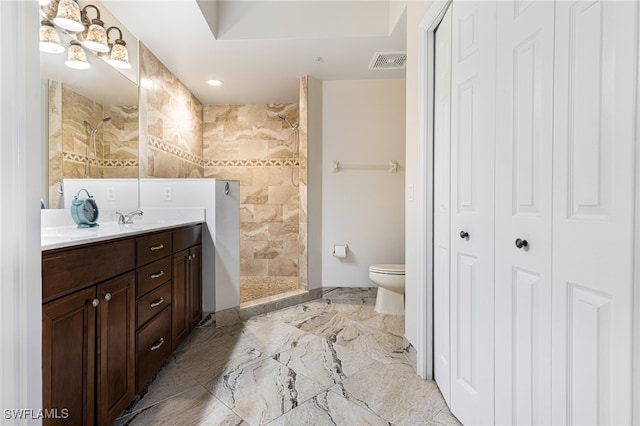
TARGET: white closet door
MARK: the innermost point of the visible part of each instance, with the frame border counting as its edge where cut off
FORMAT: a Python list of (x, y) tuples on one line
[(441, 182), (524, 107), (596, 56), (472, 207)]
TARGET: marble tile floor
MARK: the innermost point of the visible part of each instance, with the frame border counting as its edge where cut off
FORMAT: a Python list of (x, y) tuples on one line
[(331, 361)]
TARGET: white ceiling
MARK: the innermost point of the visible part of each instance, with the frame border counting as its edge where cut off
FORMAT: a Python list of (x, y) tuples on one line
[(260, 48)]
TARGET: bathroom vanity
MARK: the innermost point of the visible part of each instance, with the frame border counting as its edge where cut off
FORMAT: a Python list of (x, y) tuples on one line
[(113, 311)]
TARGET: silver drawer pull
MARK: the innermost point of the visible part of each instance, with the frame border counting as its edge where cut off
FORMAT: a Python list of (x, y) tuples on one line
[(156, 275), (158, 344), (158, 247), (159, 301)]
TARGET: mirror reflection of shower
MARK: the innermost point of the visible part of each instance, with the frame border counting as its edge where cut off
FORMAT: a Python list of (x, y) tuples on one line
[(92, 142), (293, 127)]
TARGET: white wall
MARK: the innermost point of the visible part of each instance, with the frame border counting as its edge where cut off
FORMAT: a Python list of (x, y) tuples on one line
[(314, 188), (220, 237), (108, 193), (20, 171), (363, 123), (415, 12)]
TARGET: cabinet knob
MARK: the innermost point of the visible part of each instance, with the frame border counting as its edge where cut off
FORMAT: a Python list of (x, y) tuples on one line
[(157, 344), (95, 303), (521, 243), (107, 297), (464, 235), (193, 256)]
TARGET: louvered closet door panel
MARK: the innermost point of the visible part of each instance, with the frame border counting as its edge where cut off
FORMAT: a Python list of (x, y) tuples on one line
[(441, 168), (524, 107), (595, 115), (472, 208)]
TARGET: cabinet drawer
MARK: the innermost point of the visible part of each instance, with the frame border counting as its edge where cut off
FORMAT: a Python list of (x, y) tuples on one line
[(153, 247), (67, 270), (187, 237), (153, 275), (151, 304), (153, 346)]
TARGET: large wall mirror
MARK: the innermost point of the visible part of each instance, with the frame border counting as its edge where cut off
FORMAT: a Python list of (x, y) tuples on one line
[(90, 126)]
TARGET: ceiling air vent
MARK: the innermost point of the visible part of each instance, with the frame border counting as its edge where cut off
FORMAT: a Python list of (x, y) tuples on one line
[(388, 61)]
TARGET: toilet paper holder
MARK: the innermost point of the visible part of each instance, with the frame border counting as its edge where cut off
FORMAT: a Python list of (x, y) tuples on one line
[(340, 251)]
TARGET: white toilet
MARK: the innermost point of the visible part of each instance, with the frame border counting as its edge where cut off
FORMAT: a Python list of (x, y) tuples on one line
[(390, 281)]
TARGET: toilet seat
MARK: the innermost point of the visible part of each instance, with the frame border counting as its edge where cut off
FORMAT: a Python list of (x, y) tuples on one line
[(387, 269)]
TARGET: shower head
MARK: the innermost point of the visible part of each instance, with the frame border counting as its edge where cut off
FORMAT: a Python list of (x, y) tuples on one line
[(95, 129), (294, 127), (104, 120)]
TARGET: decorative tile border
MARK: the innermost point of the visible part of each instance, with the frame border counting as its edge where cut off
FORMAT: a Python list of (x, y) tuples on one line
[(79, 158), (156, 143), (250, 163)]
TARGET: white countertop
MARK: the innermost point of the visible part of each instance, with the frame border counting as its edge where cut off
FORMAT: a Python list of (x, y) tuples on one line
[(58, 229)]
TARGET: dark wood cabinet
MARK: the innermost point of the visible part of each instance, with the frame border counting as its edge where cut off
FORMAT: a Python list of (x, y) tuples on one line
[(154, 304), (68, 357), (112, 313), (187, 282), (116, 347), (195, 286), (180, 297), (87, 332)]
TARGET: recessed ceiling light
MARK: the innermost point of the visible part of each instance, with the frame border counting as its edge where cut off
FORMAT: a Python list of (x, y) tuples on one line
[(214, 82), (318, 59)]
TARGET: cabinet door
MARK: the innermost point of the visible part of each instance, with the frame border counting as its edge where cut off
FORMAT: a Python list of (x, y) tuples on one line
[(180, 297), (524, 105), (195, 286), (68, 357), (595, 137), (116, 346), (472, 208)]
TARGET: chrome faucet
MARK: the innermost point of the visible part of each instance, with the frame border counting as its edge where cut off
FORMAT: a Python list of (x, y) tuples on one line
[(128, 218)]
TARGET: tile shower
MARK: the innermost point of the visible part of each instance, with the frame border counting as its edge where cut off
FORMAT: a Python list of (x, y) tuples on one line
[(181, 138), (70, 153), (252, 144)]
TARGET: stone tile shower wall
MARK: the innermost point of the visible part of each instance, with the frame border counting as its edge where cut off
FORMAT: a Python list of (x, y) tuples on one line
[(69, 153), (251, 144), (170, 123)]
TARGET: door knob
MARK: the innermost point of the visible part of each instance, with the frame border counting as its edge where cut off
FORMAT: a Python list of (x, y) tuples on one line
[(464, 235), (521, 243)]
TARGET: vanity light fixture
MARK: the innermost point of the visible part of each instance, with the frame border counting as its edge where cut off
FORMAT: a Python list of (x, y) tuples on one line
[(119, 56), (77, 57), (96, 38), (49, 38), (69, 16), (91, 33), (214, 82)]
